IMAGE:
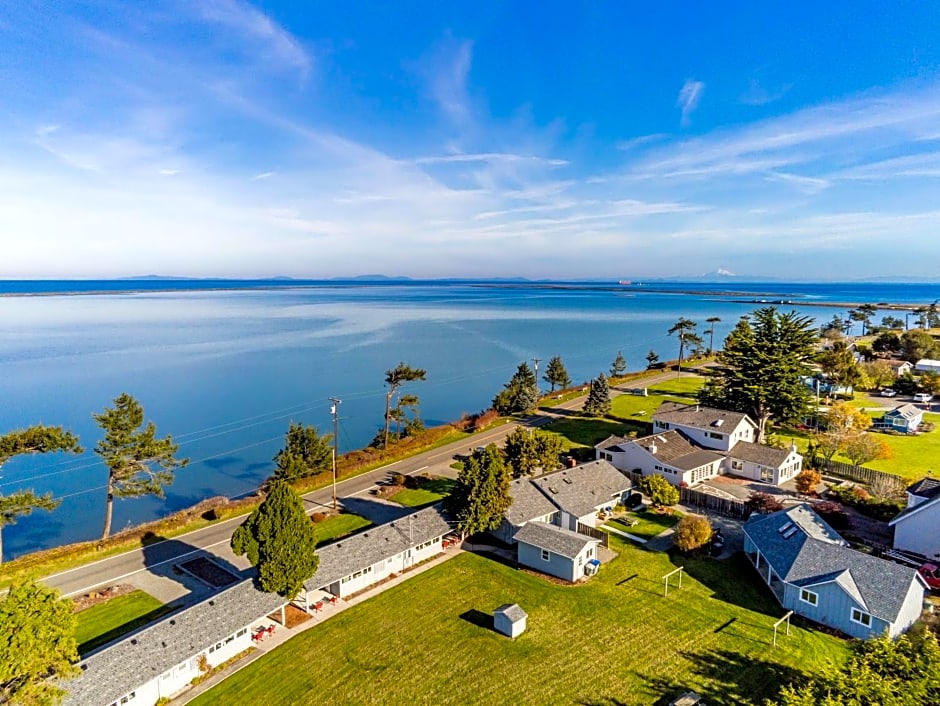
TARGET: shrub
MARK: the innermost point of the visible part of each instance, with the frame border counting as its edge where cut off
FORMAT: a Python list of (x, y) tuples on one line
[(860, 493), (660, 491), (763, 503), (833, 513), (318, 517), (692, 533), (807, 481)]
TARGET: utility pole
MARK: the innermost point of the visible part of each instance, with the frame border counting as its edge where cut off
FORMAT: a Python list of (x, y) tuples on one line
[(334, 410), (536, 361)]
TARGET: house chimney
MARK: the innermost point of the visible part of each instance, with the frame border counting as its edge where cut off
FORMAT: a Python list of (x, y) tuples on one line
[(793, 447), (697, 408), (653, 449)]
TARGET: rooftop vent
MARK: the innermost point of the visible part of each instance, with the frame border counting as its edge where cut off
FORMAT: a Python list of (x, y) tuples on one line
[(134, 641), (784, 528), (718, 422), (211, 602), (653, 449), (662, 439), (172, 622), (790, 532), (567, 480), (552, 490)]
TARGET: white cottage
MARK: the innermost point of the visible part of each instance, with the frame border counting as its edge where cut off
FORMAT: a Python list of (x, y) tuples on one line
[(917, 528), (711, 428)]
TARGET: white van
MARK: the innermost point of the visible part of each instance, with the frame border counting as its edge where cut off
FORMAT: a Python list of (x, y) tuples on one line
[(923, 397)]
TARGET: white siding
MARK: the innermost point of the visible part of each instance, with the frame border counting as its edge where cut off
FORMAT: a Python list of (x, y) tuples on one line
[(720, 438), (395, 564), (910, 611), (920, 532)]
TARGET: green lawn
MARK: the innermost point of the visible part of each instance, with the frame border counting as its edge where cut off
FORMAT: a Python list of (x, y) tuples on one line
[(648, 524), (429, 492), (107, 621), (615, 640), (339, 526)]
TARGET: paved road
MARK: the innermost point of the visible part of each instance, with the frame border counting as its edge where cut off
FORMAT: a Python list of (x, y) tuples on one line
[(215, 538)]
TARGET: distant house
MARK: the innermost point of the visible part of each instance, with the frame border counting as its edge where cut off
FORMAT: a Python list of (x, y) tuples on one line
[(555, 551), (905, 418), (926, 365), (917, 528), (899, 367), (686, 448), (157, 662), (669, 454), (811, 571), (528, 504), (354, 563), (579, 493), (708, 427)]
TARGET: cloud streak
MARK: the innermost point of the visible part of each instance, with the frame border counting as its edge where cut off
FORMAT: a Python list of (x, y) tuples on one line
[(689, 96)]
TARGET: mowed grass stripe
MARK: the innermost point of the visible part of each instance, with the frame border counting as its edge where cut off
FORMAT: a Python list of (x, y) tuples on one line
[(601, 641)]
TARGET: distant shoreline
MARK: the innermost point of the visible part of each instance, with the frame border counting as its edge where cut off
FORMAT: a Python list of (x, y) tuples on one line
[(738, 297)]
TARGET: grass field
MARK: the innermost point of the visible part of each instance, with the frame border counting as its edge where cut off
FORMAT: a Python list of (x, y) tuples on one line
[(107, 621), (429, 492), (339, 526), (648, 524), (615, 640)]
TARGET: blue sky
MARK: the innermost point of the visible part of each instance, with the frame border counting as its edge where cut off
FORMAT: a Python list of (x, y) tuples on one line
[(224, 138)]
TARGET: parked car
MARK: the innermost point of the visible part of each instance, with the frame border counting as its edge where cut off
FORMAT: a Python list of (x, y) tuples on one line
[(923, 397), (931, 575), (888, 392)]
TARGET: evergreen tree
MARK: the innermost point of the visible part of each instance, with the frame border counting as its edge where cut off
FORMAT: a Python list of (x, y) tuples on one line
[(37, 644), (481, 494), (305, 453), (598, 399), (37, 439), (520, 394), (652, 358), (280, 540), (394, 379), (527, 450), (839, 365), (138, 463), (619, 366), (556, 375), (685, 329), (764, 359)]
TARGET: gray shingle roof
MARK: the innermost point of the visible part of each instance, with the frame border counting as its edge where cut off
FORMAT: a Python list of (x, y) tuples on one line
[(375, 544), (919, 507), (925, 488), (579, 491), (692, 415), (814, 554), (115, 671), (555, 539), (527, 503), (512, 611), (905, 411), (672, 448), (759, 453)]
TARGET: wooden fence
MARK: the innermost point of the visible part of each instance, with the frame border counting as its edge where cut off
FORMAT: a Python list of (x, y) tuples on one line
[(859, 474), (733, 509), (594, 533)]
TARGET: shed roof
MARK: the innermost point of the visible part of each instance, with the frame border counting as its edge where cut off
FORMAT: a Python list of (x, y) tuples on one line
[(693, 415), (905, 411), (759, 453), (117, 670), (926, 487), (363, 549), (555, 539), (579, 491), (805, 551), (511, 611), (528, 503)]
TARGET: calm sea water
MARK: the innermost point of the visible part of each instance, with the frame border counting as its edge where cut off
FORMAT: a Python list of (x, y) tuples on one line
[(225, 371)]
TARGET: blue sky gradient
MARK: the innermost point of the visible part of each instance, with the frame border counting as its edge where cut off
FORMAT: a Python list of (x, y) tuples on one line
[(223, 138)]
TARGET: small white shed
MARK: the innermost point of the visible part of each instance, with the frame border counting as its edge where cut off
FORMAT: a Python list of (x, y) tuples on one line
[(509, 620)]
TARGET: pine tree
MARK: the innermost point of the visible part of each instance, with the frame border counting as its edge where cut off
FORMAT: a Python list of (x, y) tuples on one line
[(37, 439), (520, 395), (685, 329), (619, 366), (394, 379), (305, 453), (37, 644), (556, 375), (481, 495), (652, 358), (598, 400), (280, 540), (138, 463)]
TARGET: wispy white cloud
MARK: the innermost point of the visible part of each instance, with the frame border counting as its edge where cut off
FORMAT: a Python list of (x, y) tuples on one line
[(634, 142), (757, 94), (689, 96), (492, 157), (262, 175), (447, 70)]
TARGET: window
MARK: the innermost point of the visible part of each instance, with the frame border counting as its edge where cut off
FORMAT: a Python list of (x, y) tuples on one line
[(861, 618), (546, 555), (241, 632), (713, 435), (580, 560), (766, 474), (809, 597), (737, 465)]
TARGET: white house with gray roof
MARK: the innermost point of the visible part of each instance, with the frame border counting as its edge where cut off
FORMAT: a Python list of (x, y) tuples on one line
[(767, 464), (580, 492), (668, 454), (917, 528), (528, 505), (554, 550), (161, 660), (812, 571), (358, 561), (706, 426)]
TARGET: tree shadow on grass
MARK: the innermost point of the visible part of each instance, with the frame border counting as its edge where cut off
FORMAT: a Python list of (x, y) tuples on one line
[(731, 580), (727, 678), (121, 630), (589, 431)]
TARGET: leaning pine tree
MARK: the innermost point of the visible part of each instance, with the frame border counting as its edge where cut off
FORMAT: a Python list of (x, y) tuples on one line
[(280, 540), (598, 400)]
